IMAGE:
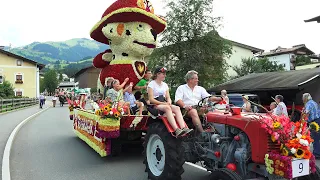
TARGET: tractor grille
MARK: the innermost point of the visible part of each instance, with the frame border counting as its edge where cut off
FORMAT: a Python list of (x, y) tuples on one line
[(273, 146)]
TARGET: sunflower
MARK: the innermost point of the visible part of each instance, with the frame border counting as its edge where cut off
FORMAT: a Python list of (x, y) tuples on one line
[(276, 125), (116, 114), (107, 108), (97, 112), (300, 153), (314, 126), (285, 151), (281, 173), (307, 155)]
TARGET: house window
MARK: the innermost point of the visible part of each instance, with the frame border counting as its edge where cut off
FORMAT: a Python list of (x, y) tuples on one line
[(19, 93), (284, 65), (19, 62), (19, 79)]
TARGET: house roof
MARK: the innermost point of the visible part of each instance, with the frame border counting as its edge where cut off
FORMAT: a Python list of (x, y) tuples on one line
[(300, 49), (81, 71), (270, 81), (22, 58), (313, 19), (66, 84), (253, 49)]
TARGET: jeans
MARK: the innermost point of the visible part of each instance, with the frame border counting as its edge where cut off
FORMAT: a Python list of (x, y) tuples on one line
[(41, 102), (316, 137)]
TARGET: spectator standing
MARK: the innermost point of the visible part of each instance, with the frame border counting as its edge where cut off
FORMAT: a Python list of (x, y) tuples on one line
[(281, 109), (41, 98), (311, 109)]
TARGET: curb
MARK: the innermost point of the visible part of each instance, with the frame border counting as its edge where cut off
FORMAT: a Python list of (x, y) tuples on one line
[(7, 149)]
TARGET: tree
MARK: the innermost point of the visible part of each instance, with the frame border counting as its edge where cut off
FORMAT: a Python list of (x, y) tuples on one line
[(252, 65), (60, 77), (302, 60), (42, 88), (191, 42), (50, 81), (6, 90)]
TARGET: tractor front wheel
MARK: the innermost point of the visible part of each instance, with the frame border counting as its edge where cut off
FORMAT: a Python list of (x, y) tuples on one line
[(163, 154), (224, 174)]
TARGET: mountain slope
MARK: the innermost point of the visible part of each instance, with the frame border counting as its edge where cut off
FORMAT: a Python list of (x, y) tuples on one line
[(72, 50)]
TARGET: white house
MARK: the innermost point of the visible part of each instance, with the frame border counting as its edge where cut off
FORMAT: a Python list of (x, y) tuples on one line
[(240, 51), (287, 56)]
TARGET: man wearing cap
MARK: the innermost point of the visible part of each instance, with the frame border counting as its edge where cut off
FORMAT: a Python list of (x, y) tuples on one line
[(281, 109), (189, 95)]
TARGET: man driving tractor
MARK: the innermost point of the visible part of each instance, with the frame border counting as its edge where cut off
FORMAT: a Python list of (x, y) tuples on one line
[(188, 96)]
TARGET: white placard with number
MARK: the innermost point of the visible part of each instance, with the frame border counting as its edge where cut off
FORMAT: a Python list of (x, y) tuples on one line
[(300, 167)]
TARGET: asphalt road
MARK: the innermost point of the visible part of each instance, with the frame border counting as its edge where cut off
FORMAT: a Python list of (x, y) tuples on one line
[(46, 148)]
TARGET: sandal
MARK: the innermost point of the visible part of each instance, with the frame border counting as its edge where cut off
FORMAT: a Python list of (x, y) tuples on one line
[(186, 130), (178, 132)]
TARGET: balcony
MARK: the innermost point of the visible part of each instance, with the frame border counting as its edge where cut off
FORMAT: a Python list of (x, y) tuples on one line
[(19, 82)]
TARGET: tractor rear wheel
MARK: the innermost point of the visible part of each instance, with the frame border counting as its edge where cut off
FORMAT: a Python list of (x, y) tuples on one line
[(163, 154), (224, 174), (315, 175)]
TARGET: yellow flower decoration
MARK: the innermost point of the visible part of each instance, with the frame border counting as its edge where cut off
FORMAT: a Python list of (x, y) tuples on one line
[(285, 152), (281, 173), (281, 147), (116, 114), (273, 139), (97, 112), (299, 153), (276, 125), (314, 126), (277, 162)]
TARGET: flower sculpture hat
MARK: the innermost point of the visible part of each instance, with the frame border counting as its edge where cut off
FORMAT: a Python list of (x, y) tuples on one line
[(128, 11)]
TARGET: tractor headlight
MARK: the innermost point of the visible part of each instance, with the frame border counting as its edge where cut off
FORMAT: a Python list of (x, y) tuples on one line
[(216, 138)]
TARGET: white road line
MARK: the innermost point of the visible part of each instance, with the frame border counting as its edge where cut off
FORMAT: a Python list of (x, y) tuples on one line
[(7, 149), (196, 166)]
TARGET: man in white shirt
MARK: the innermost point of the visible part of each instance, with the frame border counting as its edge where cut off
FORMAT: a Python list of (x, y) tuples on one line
[(281, 108), (190, 94)]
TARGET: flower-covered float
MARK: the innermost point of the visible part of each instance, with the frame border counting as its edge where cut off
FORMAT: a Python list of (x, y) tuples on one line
[(294, 157), (130, 28)]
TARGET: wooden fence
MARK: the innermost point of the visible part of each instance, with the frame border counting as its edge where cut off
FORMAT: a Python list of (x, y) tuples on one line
[(11, 104)]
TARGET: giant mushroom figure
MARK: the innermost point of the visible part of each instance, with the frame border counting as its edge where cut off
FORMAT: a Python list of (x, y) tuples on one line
[(130, 28)]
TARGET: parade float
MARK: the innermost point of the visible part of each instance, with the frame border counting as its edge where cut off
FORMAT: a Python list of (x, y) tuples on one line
[(130, 28), (235, 145)]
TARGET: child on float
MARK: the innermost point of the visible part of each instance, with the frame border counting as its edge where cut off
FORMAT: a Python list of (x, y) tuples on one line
[(134, 104), (115, 94)]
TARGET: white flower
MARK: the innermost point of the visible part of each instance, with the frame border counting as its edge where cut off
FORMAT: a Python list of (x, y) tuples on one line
[(110, 112), (293, 150), (304, 142), (300, 130), (298, 135)]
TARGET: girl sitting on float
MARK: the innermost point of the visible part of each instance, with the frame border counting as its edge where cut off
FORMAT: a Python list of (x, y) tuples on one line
[(115, 94), (158, 92)]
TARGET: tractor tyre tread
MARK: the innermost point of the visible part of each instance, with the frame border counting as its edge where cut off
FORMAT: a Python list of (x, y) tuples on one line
[(174, 153)]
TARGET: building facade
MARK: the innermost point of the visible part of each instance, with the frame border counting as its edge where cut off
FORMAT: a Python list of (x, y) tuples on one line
[(239, 52), (87, 77), (21, 72)]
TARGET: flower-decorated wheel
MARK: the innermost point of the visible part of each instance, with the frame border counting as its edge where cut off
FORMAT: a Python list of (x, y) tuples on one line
[(163, 154)]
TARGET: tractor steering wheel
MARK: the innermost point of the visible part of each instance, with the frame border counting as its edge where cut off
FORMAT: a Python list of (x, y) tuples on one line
[(203, 102)]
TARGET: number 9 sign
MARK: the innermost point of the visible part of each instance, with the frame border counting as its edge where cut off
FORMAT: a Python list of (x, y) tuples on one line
[(300, 167)]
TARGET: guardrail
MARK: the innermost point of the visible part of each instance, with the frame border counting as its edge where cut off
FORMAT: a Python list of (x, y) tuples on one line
[(11, 104)]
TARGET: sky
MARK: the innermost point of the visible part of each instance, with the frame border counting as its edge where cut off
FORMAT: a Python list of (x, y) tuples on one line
[(265, 24)]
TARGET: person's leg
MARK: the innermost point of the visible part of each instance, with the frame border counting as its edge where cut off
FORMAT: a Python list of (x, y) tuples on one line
[(140, 106), (193, 113), (316, 144), (176, 110), (168, 113)]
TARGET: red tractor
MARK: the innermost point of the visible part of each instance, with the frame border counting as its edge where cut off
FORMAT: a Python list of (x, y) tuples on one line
[(234, 148)]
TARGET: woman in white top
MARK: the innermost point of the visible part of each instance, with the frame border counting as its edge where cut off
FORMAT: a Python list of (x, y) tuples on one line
[(158, 89), (246, 107)]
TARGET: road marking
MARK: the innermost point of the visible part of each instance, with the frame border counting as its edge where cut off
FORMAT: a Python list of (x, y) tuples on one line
[(196, 166), (7, 149)]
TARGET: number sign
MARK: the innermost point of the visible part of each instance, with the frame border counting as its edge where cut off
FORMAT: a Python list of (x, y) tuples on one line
[(300, 167)]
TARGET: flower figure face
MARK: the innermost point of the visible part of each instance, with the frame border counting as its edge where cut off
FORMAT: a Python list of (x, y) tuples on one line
[(131, 39)]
